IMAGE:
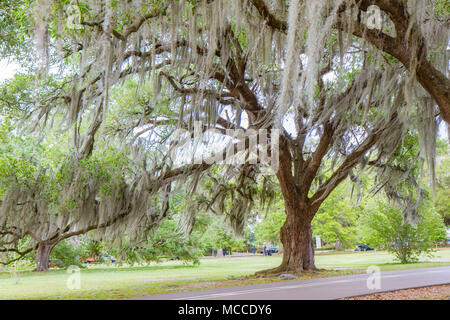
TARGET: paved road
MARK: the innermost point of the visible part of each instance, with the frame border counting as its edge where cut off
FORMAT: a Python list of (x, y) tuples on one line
[(319, 289)]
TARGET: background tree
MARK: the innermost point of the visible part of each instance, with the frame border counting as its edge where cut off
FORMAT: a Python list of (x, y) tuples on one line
[(384, 226), (217, 236), (67, 254), (167, 241), (442, 199), (337, 219), (268, 229), (49, 194)]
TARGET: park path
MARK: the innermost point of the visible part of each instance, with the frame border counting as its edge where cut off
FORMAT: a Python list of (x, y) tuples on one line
[(320, 289)]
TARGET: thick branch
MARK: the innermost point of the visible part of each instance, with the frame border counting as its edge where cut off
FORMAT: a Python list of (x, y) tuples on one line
[(270, 18), (349, 163), (431, 79), (316, 158)]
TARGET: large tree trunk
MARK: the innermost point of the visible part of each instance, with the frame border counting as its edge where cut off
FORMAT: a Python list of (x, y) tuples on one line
[(296, 233), (43, 256), (298, 247), (296, 237)]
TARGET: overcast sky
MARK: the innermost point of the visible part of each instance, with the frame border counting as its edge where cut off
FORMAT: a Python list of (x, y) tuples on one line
[(7, 69)]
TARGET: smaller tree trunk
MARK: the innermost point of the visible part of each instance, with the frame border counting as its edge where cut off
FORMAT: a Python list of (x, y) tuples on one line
[(43, 256)]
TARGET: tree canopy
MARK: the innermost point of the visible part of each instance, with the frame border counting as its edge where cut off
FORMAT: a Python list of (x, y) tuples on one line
[(334, 86)]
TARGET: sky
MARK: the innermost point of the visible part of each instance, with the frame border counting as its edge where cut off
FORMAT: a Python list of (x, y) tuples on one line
[(7, 69)]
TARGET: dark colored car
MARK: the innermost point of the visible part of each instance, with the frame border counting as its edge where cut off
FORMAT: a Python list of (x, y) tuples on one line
[(108, 258), (363, 247), (269, 251), (224, 252)]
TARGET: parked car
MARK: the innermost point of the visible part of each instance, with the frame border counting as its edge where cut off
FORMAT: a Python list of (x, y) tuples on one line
[(270, 251), (363, 247), (102, 259), (108, 258)]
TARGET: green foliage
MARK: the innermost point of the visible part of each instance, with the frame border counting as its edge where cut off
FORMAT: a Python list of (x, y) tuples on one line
[(44, 166), (441, 8), (336, 219), (213, 234), (15, 95), (92, 249), (15, 28), (166, 243), (67, 253), (442, 199), (268, 229), (170, 242), (383, 226)]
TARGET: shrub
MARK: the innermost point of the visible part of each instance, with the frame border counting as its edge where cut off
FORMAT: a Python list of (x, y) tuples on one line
[(67, 253), (386, 228)]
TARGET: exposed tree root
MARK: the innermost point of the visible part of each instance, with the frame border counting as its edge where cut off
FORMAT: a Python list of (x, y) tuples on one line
[(274, 272)]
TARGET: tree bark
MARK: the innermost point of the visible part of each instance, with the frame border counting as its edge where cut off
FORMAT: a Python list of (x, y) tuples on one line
[(43, 256), (297, 240), (296, 237), (296, 233)]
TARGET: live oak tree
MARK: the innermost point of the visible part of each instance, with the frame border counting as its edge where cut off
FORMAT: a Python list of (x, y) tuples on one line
[(337, 87), (45, 200), (49, 194)]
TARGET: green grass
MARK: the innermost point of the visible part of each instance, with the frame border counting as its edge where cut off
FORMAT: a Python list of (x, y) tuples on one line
[(380, 258), (107, 282)]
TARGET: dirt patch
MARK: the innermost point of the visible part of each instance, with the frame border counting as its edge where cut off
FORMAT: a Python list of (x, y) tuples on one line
[(202, 285), (425, 293), (214, 284), (244, 280), (205, 285), (151, 280)]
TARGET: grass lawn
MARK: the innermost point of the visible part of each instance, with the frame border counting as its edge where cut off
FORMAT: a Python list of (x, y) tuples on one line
[(112, 282)]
